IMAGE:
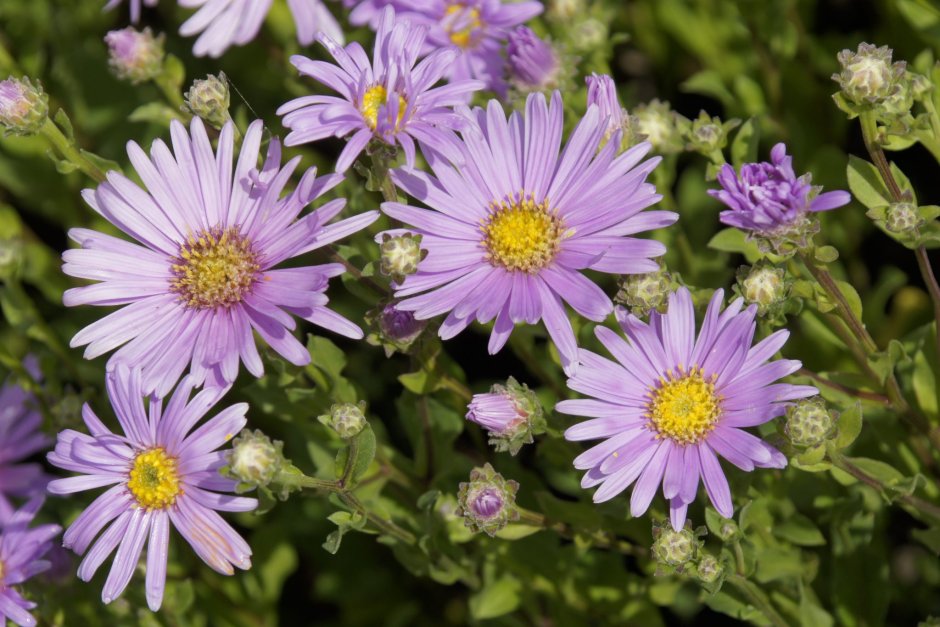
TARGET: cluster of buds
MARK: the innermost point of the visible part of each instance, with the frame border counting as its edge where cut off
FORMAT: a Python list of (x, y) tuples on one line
[(511, 414), (675, 550), (487, 502), (393, 329), (401, 255), (209, 99), (24, 107), (662, 127), (643, 293), (346, 419), (135, 56), (708, 136), (809, 422)]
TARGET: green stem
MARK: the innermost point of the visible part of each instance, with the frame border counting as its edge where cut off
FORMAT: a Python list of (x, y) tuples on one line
[(518, 345), (828, 283), (456, 387), (923, 261), (739, 564), (925, 508), (867, 396), (351, 501), (758, 599), (357, 274), (380, 171), (70, 153), (171, 93), (600, 539)]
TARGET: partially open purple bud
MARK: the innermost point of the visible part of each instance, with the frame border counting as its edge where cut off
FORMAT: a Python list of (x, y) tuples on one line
[(533, 62), (136, 56), (511, 414), (487, 502)]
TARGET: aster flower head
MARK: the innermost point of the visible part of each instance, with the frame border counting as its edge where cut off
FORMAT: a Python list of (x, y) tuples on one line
[(135, 56), (510, 229), (24, 107), (390, 98), (768, 200), (161, 472), (479, 29), (673, 401), (534, 64), (511, 414), (22, 550), (202, 278), (20, 438)]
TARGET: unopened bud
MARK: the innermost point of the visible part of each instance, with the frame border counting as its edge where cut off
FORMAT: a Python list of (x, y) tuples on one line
[(254, 459), (868, 76), (674, 548), (564, 10), (136, 56), (708, 569), (533, 63), (589, 34), (401, 255), (764, 286), (393, 328), (642, 293), (487, 502), (346, 419), (602, 93), (727, 530), (23, 106), (809, 422), (902, 217), (209, 99), (659, 123), (511, 414)]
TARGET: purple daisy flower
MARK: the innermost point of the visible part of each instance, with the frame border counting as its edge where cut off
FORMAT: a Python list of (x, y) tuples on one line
[(767, 198), (672, 402), (20, 438), (510, 231), (21, 553), (160, 473), (479, 28), (602, 92), (533, 62), (388, 98), (202, 278)]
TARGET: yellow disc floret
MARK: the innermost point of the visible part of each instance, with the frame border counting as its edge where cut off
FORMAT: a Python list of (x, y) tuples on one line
[(461, 23), (520, 235), (215, 268), (154, 479), (684, 407), (373, 99)]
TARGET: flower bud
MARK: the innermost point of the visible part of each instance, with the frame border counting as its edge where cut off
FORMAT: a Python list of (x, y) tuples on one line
[(135, 56), (659, 123), (254, 459), (674, 548), (533, 63), (393, 328), (902, 217), (765, 286), (511, 414), (868, 76), (728, 530), (23, 106), (921, 86), (487, 502), (401, 255), (809, 423), (564, 10), (346, 419), (708, 569), (209, 99), (642, 293), (589, 34)]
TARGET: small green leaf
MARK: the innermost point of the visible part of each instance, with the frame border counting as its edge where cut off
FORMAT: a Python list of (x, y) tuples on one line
[(517, 531), (744, 146), (498, 598), (866, 184), (799, 530), (826, 254), (62, 120), (849, 426)]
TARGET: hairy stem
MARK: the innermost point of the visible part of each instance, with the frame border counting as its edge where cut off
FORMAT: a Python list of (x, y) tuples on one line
[(70, 153)]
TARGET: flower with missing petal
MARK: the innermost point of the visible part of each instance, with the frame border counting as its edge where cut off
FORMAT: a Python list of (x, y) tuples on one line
[(161, 472), (21, 557), (479, 29), (768, 199), (511, 229), (221, 24), (674, 401), (390, 98), (202, 281)]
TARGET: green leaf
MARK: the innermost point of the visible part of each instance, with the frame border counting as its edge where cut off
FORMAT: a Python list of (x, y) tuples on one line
[(498, 598), (799, 530), (729, 240), (517, 531), (175, 71), (363, 447), (776, 563), (104, 164), (155, 112), (866, 184), (924, 381), (849, 426), (750, 95), (708, 83), (745, 144), (62, 120), (826, 254)]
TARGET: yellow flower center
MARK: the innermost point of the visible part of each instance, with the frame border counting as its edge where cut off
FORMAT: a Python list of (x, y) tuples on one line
[(215, 268), (154, 479), (684, 408), (373, 99), (521, 235), (460, 22)]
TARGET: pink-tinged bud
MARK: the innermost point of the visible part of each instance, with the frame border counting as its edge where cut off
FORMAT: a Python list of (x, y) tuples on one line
[(488, 502), (511, 414), (23, 106), (136, 56)]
